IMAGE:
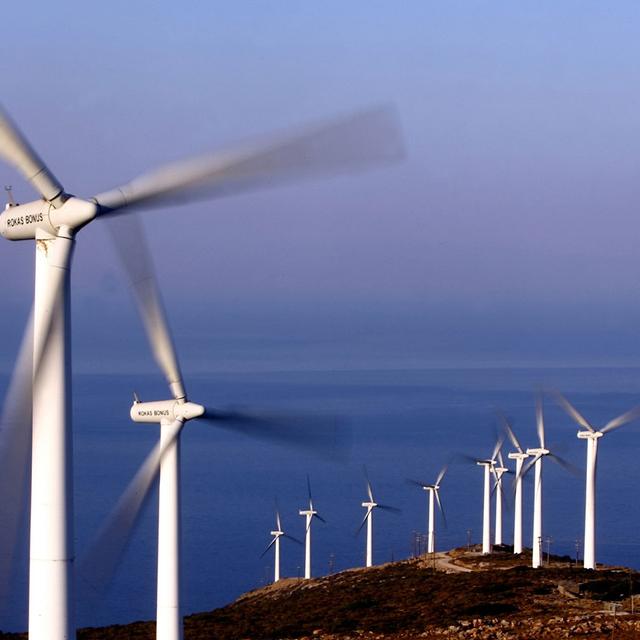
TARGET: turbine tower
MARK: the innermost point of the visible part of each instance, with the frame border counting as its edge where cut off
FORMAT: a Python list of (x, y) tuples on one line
[(275, 543), (519, 455), (433, 491), (370, 505), (592, 435), (538, 454), (53, 222), (488, 464), (498, 471), (309, 513)]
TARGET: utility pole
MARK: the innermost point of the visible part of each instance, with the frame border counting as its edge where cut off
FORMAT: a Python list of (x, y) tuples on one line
[(577, 545), (469, 532), (548, 540)]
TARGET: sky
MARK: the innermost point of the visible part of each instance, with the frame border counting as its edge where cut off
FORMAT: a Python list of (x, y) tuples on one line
[(508, 236)]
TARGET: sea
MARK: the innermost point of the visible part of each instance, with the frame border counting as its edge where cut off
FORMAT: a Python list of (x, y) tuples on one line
[(400, 424)]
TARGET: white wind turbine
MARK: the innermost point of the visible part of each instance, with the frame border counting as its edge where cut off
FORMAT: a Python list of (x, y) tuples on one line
[(519, 455), (309, 514), (53, 222), (171, 415), (275, 543), (488, 464), (592, 435), (370, 505), (433, 491), (538, 454)]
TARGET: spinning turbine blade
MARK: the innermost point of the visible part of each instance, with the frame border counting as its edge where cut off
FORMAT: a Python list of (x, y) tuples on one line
[(288, 537), (278, 525), (528, 466), (625, 418), (309, 493), (565, 464), (17, 151), (441, 475), (317, 515), (309, 433), (572, 411), (15, 458), (387, 507), (100, 561), (510, 433), (128, 238), (364, 521), (369, 489), (269, 546), (437, 494), (418, 483), (355, 142), (498, 446), (540, 421)]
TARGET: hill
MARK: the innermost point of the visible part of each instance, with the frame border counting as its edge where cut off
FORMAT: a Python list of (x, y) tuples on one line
[(459, 594)]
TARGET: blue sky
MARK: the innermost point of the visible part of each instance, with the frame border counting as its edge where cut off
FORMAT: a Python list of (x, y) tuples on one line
[(509, 235)]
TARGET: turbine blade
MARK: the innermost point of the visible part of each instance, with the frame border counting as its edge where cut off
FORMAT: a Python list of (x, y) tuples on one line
[(441, 475), (286, 535), (497, 446), (309, 493), (387, 507), (278, 525), (369, 489), (316, 515), (16, 150), (528, 466), (540, 420), (500, 458), (15, 461), (565, 464), (269, 546), (364, 520), (625, 418), (353, 143), (417, 483), (99, 563), (439, 503), (130, 243), (572, 411), (319, 435), (510, 433)]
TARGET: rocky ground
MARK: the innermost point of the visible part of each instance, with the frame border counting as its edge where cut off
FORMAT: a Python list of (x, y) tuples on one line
[(461, 594)]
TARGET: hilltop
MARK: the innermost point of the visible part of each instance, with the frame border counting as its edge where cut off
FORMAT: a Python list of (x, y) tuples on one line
[(460, 594)]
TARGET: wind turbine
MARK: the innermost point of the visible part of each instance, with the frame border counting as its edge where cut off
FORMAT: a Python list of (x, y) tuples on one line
[(498, 471), (171, 415), (592, 435), (519, 455), (433, 490), (275, 543), (53, 222), (370, 505), (538, 454), (309, 514), (488, 464)]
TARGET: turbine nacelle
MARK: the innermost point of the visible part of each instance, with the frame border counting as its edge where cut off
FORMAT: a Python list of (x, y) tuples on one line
[(39, 218), (277, 534), (518, 455), (486, 463), (370, 505), (540, 451), (165, 411), (308, 512), (590, 435)]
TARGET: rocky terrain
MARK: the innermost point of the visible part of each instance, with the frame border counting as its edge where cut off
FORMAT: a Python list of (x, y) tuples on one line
[(461, 594)]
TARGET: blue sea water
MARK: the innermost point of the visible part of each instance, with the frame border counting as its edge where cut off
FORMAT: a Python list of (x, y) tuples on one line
[(403, 424)]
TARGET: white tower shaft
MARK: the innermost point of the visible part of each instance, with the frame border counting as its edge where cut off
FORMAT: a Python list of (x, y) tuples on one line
[(431, 535), (590, 506), (536, 545), (369, 559), (486, 512), (169, 618), (498, 531), (307, 547), (51, 573), (276, 565), (517, 509)]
